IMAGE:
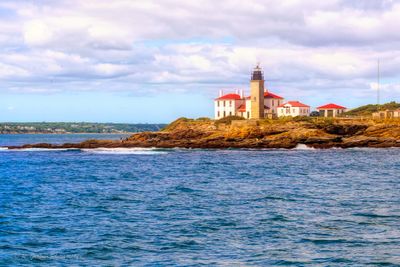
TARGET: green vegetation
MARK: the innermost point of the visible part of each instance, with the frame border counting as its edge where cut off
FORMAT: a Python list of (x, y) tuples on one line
[(187, 121), (228, 120), (78, 127), (173, 124), (367, 110)]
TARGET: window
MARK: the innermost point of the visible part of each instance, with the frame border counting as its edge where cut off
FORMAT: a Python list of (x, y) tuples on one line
[(230, 103), (248, 114), (272, 102), (230, 113), (218, 114), (287, 110), (217, 103), (224, 103), (224, 114)]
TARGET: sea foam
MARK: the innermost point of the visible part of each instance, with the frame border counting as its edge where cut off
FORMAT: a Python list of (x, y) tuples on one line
[(125, 151), (303, 147)]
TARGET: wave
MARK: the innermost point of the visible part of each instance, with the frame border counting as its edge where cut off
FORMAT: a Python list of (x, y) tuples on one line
[(303, 147), (3, 148), (126, 151)]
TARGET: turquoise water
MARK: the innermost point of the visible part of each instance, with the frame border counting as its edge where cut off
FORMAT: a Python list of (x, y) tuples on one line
[(149, 207)]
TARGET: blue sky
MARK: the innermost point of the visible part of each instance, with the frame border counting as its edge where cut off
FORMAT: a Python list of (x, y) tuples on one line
[(154, 61)]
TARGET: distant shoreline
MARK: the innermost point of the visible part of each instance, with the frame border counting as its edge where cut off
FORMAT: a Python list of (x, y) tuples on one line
[(77, 128), (69, 133)]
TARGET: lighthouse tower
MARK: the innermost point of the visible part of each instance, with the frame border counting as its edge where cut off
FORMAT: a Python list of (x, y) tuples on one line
[(257, 93)]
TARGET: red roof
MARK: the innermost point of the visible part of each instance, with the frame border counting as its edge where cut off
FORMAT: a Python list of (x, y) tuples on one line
[(242, 107), (229, 97), (295, 104), (331, 106), (271, 95)]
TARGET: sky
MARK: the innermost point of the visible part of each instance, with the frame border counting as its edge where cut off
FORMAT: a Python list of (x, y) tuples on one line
[(156, 60)]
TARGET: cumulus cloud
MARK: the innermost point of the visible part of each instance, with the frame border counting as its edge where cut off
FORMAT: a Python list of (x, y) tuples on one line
[(305, 46)]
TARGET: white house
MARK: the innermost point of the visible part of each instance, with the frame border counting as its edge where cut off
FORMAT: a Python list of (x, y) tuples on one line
[(293, 109), (228, 105), (331, 110), (235, 104)]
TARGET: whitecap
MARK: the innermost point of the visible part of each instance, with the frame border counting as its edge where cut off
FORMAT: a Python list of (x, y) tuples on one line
[(3, 148), (126, 151), (303, 147)]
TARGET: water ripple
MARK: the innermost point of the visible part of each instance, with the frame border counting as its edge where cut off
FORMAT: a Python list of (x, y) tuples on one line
[(200, 208)]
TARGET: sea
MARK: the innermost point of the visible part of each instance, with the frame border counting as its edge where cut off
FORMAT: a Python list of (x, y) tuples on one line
[(197, 207)]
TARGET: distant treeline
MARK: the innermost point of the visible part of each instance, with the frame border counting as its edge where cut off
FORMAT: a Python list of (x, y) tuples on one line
[(76, 127)]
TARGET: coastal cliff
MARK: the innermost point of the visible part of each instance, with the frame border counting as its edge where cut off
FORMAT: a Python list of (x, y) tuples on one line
[(281, 133)]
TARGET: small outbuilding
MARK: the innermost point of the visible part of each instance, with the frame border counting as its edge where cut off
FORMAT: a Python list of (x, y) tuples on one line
[(386, 114), (293, 109), (331, 110)]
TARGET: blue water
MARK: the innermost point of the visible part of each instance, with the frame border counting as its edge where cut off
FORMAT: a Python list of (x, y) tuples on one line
[(21, 139), (200, 208)]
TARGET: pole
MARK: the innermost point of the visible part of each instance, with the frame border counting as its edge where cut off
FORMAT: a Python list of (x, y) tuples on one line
[(378, 97)]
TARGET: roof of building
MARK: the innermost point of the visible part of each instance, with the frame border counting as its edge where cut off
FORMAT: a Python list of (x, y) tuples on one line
[(331, 106), (229, 97), (271, 95), (237, 96), (296, 104)]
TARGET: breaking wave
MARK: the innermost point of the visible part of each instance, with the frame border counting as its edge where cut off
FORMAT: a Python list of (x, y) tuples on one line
[(126, 151), (303, 147)]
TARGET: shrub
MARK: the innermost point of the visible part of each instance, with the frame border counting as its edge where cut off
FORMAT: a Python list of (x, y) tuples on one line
[(203, 119), (302, 118), (176, 122), (229, 119)]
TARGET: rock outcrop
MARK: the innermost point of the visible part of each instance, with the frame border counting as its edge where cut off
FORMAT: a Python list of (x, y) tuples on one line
[(284, 133)]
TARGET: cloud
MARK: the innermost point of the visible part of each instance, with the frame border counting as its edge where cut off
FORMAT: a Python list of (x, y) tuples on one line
[(306, 47)]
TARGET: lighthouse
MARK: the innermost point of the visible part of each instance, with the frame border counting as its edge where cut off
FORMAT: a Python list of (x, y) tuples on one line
[(257, 93)]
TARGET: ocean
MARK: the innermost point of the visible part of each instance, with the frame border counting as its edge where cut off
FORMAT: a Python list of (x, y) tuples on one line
[(182, 207)]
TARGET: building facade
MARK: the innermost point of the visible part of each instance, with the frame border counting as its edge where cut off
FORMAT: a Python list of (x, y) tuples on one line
[(386, 114), (331, 110), (293, 109)]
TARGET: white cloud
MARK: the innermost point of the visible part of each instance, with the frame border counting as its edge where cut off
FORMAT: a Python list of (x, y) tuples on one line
[(37, 33), (305, 46)]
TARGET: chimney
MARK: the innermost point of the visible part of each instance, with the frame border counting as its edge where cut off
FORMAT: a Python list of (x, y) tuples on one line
[(241, 94), (237, 91), (221, 93)]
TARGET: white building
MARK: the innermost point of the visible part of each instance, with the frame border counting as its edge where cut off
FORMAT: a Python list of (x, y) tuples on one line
[(260, 104), (293, 109), (235, 104), (227, 105), (331, 110)]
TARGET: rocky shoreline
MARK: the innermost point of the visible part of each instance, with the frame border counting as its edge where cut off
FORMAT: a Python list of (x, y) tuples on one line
[(289, 133)]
